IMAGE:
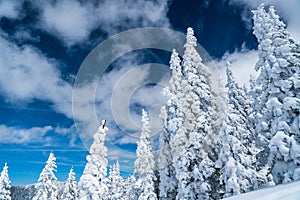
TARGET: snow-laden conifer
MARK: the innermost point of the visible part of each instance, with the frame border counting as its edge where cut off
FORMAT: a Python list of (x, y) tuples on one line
[(92, 182), (145, 163), (70, 191), (5, 184), (192, 139), (278, 112), (46, 187), (237, 148), (172, 120), (116, 186)]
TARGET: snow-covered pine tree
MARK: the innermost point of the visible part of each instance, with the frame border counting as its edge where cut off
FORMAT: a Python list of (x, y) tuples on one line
[(46, 187), (5, 184), (279, 63), (144, 164), (116, 183), (128, 185), (110, 182), (191, 141), (92, 182), (171, 122), (237, 153), (70, 191), (260, 118)]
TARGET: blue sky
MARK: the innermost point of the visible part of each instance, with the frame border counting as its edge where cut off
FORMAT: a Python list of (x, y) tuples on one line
[(42, 47)]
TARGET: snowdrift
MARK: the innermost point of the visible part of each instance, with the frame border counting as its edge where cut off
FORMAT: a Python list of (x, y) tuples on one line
[(281, 192)]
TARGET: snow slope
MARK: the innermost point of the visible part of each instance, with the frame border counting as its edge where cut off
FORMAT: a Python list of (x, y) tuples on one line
[(282, 192)]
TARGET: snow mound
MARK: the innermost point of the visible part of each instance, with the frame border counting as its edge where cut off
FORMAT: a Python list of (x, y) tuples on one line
[(281, 192)]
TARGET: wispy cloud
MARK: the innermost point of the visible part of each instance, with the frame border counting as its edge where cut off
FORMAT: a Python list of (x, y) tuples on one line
[(13, 135), (73, 21), (10, 9), (70, 132), (45, 136)]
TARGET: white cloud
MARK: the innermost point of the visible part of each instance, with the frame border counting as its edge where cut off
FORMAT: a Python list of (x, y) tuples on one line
[(25, 35), (10, 9), (69, 19), (70, 132), (118, 154), (289, 10), (13, 135), (73, 21), (34, 135), (242, 63), (27, 74)]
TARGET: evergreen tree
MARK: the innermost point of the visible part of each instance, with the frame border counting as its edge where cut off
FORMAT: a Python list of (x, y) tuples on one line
[(237, 153), (92, 182), (145, 163), (128, 185), (260, 87), (70, 191), (116, 183), (194, 129), (46, 187), (279, 96), (5, 184), (171, 122)]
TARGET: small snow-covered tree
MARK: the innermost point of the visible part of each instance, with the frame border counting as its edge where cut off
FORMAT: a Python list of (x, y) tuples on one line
[(46, 187), (70, 191), (5, 184), (129, 190), (237, 148), (279, 62), (92, 182), (145, 163), (116, 183), (147, 186)]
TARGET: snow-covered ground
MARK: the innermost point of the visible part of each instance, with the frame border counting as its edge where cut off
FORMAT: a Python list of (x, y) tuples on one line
[(282, 192)]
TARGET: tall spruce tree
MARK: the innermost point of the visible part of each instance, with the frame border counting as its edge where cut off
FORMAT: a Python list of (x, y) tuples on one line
[(92, 182), (279, 96), (172, 120), (237, 153), (191, 142)]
